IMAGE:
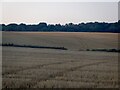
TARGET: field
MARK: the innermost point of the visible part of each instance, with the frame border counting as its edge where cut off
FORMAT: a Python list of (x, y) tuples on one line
[(51, 68)]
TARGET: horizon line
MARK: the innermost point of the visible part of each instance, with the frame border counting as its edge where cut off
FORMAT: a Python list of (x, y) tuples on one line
[(58, 23)]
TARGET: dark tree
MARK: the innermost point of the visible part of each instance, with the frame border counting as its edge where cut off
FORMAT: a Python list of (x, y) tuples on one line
[(70, 27)]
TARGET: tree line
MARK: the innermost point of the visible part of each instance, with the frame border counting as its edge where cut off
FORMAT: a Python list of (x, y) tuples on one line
[(31, 46), (70, 27)]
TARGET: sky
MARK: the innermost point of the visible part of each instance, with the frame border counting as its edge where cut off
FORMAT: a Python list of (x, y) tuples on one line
[(58, 12)]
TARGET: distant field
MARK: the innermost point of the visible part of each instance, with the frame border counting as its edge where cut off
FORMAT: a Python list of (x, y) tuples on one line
[(51, 68), (72, 41)]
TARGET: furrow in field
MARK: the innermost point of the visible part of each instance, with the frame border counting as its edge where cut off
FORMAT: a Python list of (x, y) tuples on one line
[(34, 67), (59, 74)]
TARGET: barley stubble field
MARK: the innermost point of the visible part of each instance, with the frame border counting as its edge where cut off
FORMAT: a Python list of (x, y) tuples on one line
[(52, 68)]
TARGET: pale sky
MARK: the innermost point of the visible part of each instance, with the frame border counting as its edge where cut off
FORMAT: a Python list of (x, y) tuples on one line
[(58, 12)]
